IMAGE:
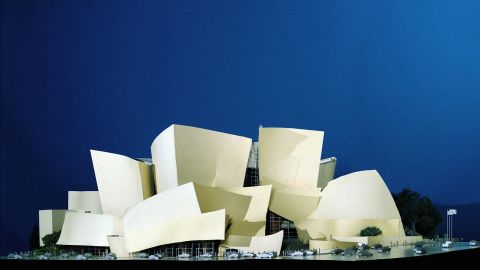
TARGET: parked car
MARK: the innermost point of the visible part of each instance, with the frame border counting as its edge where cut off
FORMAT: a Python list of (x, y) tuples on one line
[(296, 254), (364, 247), (248, 255), (337, 251), (153, 258), (80, 258), (472, 243), (206, 255), (365, 253), (265, 255), (232, 255), (350, 252), (110, 257), (447, 244), (183, 255), (386, 249), (420, 251), (309, 253), (142, 255), (377, 246), (14, 257)]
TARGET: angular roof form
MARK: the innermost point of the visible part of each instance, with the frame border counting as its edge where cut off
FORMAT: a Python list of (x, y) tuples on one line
[(185, 154)]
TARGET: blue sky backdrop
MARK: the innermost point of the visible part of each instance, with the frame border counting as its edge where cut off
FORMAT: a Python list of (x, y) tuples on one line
[(395, 85)]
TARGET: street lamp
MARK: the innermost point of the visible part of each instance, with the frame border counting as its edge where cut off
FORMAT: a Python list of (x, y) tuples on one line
[(450, 213)]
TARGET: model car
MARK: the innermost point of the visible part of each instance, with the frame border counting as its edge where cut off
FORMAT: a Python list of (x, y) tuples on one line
[(206, 255), (183, 255), (265, 255), (337, 251), (386, 249), (350, 252), (447, 244), (296, 254), (364, 253), (420, 251)]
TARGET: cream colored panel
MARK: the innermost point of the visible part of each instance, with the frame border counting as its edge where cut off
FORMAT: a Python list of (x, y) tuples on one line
[(318, 229), (211, 158), (326, 171), (213, 199), (255, 244), (290, 204), (119, 181), (305, 235), (171, 204), (206, 157), (352, 239), (147, 176), (289, 157), (361, 195), (163, 157), (257, 211), (50, 221), (85, 201), (117, 245), (86, 229), (208, 226), (237, 241), (246, 228), (271, 242)]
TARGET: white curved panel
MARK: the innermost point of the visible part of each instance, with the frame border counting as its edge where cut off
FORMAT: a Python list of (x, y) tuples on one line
[(171, 204), (119, 181), (255, 244), (85, 229), (117, 245), (85, 201), (257, 210), (289, 157), (163, 156), (208, 226), (359, 195), (272, 242), (350, 203), (185, 154), (214, 198), (320, 228), (294, 203)]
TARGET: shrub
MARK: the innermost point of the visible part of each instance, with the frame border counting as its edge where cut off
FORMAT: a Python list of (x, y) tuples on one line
[(370, 231), (51, 239)]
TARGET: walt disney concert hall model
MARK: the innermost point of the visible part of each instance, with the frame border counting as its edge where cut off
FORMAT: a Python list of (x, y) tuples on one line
[(207, 190)]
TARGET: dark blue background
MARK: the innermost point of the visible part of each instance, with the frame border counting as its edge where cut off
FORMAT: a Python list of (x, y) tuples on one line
[(394, 84)]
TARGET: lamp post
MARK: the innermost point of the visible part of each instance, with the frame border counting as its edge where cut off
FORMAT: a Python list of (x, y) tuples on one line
[(450, 213)]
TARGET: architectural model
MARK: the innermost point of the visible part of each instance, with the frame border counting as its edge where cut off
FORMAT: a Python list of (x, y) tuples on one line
[(203, 186)]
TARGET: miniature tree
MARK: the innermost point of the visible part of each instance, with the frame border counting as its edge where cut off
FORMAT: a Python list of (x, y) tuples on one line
[(51, 239), (370, 231)]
